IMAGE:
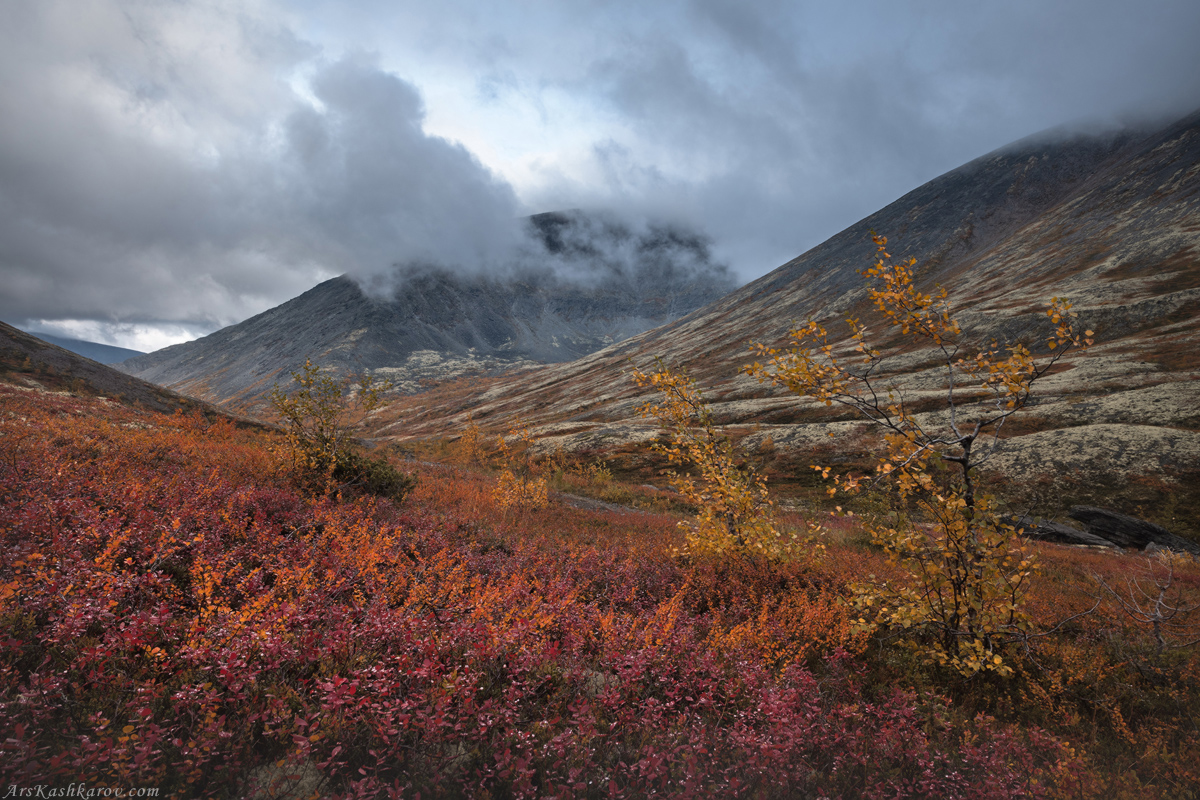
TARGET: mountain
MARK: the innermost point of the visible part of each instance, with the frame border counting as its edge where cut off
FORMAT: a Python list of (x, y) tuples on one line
[(100, 353), (33, 363), (1110, 220), (588, 283)]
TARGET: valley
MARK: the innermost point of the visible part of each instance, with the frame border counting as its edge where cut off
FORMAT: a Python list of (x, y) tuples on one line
[(490, 584), (1111, 222)]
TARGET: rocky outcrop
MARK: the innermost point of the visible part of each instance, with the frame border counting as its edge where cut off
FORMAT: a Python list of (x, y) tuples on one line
[(1059, 534), (1105, 528), (1130, 532)]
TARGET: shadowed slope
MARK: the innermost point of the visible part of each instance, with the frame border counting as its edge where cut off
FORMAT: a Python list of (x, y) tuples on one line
[(26, 360), (103, 353)]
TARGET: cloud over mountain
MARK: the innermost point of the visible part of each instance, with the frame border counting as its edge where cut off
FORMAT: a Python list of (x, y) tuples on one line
[(167, 168), (145, 176)]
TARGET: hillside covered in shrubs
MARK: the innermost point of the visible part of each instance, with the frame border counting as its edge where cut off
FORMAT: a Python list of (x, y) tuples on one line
[(177, 611)]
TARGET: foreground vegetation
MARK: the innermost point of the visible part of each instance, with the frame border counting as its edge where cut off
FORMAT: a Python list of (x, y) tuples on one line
[(176, 613)]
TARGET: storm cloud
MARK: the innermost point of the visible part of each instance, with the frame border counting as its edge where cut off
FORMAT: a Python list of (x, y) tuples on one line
[(159, 169), (168, 168)]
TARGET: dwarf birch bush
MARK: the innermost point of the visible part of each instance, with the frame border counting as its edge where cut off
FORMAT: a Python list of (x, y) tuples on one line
[(968, 571), (735, 510), (470, 444), (519, 486), (318, 417)]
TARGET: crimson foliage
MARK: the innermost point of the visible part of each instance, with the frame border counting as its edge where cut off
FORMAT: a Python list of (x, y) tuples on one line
[(175, 615)]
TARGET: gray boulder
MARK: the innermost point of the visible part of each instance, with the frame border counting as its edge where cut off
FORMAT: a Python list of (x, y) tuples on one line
[(1130, 532), (1058, 534)]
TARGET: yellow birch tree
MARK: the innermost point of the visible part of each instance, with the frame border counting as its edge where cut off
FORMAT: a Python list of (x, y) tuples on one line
[(519, 485), (735, 510), (968, 570)]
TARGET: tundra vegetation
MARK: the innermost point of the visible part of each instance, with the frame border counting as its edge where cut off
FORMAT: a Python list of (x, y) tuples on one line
[(966, 571), (319, 416), (179, 611)]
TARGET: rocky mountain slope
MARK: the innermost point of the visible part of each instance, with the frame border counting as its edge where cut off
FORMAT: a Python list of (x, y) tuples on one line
[(591, 282), (1110, 220), (32, 363)]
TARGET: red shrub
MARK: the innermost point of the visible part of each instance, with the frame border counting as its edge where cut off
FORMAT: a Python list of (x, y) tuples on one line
[(174, 615)]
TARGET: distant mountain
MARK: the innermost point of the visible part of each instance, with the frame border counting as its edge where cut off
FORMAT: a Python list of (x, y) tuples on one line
[(1111, 221), (591, 282), (102, 353)]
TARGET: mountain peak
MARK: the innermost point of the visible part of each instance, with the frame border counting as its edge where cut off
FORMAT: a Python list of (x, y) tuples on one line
[(592, 281)]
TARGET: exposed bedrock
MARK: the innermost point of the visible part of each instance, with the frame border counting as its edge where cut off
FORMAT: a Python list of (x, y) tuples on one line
[(1130, 532)]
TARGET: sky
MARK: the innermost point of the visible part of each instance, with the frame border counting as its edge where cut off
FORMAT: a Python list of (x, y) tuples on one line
[(168, 168)]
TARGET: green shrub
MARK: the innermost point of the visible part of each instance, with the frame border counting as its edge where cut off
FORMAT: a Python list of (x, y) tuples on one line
[(373, 476), (319, 418)]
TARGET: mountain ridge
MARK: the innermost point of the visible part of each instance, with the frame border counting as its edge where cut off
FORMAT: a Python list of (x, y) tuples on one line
[(437, 324), (825, 282), (33, 363), (96, 351)]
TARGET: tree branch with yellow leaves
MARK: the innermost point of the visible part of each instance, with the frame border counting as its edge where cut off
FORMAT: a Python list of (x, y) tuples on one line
[(735, 512), (968, 570)]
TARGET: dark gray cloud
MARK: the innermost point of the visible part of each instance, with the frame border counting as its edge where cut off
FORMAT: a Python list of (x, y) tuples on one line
[(117, 122), (159, 168), (774, 125), (188, 164), (375, 189)]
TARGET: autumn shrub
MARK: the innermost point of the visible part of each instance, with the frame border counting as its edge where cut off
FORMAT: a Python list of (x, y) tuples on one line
[(1103, 673), (785, 612), (373, 476), (968, 571), (520, 486), (318, 417), (174, 614), (470, 444), (734, 510)]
